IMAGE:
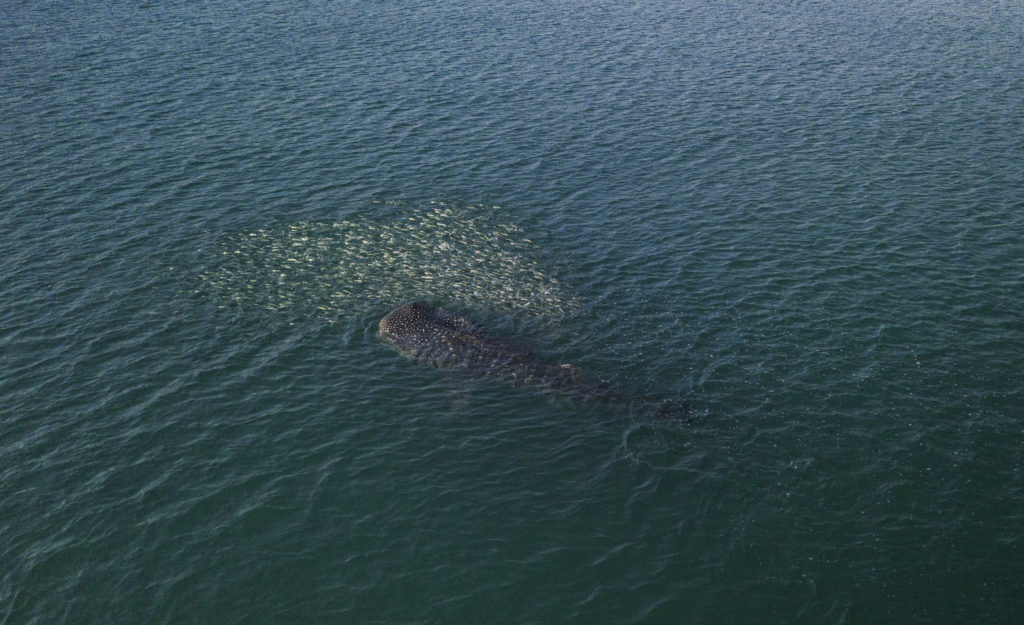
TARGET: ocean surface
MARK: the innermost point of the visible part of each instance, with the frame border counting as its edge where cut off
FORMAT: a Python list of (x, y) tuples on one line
[(805, 220)]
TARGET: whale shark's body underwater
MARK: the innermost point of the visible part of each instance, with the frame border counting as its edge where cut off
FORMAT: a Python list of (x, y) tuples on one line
[(441, 339)]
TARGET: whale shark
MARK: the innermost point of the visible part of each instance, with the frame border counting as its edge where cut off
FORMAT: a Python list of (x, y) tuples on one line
[(446, 340)]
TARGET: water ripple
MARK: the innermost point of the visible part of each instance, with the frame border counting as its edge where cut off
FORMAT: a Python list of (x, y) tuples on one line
[(805, 218)]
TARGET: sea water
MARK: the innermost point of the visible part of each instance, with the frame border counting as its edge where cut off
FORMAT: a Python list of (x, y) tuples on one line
[(804, 219)]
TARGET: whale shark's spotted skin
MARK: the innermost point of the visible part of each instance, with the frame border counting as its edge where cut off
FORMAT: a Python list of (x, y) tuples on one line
[(442, 339), (439, 338)]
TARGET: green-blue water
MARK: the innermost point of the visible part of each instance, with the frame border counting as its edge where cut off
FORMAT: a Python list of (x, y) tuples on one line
[(805, 219)]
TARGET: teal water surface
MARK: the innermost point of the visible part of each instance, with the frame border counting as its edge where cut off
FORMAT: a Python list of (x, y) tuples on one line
[(804, 219)]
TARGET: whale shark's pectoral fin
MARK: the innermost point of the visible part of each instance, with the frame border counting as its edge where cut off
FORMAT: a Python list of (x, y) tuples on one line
[(673, 409), (460, 386), (458, 398)]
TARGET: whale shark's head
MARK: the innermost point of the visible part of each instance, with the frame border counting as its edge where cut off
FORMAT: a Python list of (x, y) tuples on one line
[(434, 336), (405, 325)]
